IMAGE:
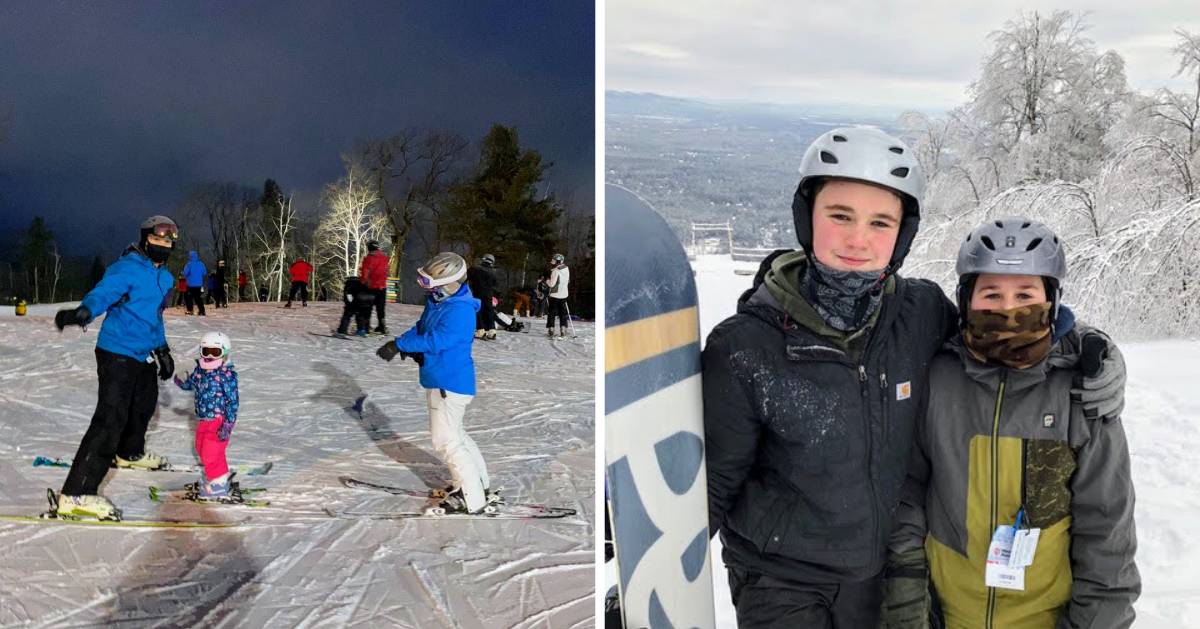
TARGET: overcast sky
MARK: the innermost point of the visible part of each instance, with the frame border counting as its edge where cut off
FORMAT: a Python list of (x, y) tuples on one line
[(116, 108), (919, 55)]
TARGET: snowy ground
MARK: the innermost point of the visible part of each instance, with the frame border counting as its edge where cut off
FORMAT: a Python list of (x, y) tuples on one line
[(1162, 422), (292, 566)]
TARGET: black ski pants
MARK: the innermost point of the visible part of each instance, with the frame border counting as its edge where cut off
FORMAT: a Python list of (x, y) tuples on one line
[(558, 308), (194, 297), (220, 299), (128, 399), (359, 310), (380, 305), (764, 601), (302, 288), (485, 319), (539, 307)]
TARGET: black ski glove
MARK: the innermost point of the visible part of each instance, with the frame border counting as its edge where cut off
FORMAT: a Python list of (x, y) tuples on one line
[(388, 351), (1100, 387), (166, 364), (72, 316), (418, 357)]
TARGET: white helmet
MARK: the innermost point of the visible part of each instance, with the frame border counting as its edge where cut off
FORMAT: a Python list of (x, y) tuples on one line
[(215, 340)]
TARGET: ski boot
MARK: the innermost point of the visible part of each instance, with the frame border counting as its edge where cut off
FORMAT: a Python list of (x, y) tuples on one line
[(454, 502), (550, 333), (89, 507), (479, 334), (220, 489), (361, 332), (381, 329), (288, 305), (489, 335), (144, 461), (491, 497)]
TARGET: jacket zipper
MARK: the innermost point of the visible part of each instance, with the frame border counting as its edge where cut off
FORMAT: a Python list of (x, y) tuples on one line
[(866, 398), (995, 469), (883, 386)]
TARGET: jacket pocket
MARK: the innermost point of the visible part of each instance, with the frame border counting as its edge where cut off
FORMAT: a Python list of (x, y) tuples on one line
[(1049, 465)]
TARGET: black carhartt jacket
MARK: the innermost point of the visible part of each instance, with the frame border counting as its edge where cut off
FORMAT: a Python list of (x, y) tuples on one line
[(807, 443)]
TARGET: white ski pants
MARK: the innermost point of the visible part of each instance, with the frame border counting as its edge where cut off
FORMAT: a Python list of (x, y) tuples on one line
[(456, 448)]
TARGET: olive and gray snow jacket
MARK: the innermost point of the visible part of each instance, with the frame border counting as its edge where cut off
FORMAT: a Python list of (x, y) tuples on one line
[(993, 440), (807, 435)]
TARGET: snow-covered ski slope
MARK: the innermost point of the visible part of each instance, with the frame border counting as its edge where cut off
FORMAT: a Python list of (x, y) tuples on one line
[(292, 565), (1162, 422)]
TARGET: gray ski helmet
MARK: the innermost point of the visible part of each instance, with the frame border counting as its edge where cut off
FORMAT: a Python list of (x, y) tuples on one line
[(559, 258), (162, 227), (488, 259), (1013, 245), (443, 269), (867, 155)]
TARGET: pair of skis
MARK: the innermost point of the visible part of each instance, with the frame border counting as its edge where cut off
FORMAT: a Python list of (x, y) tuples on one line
[(257, 469), (497, 509)]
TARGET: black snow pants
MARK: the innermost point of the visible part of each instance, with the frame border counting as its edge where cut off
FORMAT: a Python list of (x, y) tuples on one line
[(194, 297), (764, 601), (485, 319), (359, 310), (302, 288), (558, 308), (380, 305), (128, 399)]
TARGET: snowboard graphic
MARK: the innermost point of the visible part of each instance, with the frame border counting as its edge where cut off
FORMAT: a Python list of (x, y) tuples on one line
[(654, 443)]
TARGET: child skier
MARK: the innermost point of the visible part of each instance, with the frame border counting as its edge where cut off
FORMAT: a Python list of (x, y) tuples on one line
[(215, 385), (1004, 461), (440, 343)]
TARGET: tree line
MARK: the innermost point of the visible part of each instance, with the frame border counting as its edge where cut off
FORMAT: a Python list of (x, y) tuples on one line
[(417, 192)]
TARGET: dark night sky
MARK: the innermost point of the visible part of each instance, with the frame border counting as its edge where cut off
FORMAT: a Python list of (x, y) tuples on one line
[(115, 109)]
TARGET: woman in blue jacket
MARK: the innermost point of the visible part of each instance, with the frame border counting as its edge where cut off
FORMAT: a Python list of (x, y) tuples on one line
[(130, 350), (440, 343)]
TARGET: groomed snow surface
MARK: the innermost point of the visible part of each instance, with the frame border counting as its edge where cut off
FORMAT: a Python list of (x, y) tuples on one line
[(1162, 423), (291, 565)]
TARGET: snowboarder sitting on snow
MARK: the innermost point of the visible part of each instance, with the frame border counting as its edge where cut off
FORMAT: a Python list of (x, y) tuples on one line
[(999, 397), (215, 385), (130, 350), (441, 342), (357, 300)]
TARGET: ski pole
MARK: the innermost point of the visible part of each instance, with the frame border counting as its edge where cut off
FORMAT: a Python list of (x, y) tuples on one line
[(570, 328)]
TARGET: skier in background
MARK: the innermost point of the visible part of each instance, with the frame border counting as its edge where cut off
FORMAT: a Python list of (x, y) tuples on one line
[(356, 303), (440, 343), (482, 279), (560, 277), (195, 272), (130, 351), (219, 290), (241, 284), (300, 272), (374, 274)]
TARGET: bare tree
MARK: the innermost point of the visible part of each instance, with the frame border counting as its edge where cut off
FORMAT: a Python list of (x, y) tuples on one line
[(272, 239), (353, 217)]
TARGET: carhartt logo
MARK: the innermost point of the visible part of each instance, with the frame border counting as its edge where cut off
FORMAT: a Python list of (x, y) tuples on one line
[(904, 390), (1048, 420)]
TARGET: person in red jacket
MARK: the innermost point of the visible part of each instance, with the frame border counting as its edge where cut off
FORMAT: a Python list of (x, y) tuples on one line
[(374, 276), (180, 290), (300, 271), (241, 281)]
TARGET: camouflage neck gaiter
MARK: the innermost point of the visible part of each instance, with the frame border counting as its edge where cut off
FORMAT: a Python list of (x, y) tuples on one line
[(1017, 338)]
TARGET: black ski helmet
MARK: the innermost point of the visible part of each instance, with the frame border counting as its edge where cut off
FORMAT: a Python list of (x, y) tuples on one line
[(162, 227), (372, 245), (867, 155)]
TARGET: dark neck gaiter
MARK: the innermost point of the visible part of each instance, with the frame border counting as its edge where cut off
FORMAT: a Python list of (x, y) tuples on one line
[(1017, 338), (844, 299)]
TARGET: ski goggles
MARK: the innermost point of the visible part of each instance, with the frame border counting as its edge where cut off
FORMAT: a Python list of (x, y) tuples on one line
[(166, 230), (212, 352), (429, 283)]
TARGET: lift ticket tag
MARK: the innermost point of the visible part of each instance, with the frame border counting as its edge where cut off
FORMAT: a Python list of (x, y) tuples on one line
[(998, 573)]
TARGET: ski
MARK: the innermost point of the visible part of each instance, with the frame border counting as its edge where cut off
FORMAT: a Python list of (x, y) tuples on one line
[(188, 493), (502, 512), (244, 469), (47, 518), (435, 494)]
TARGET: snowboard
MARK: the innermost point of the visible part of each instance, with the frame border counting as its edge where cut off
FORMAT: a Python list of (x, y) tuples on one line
[(654, 429)]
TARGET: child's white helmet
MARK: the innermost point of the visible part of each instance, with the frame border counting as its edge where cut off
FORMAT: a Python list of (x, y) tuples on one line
[(215, 340)]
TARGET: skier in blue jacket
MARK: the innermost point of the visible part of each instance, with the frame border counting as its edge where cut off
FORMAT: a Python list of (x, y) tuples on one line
[(440, 343), (130, 350), (194, 272)]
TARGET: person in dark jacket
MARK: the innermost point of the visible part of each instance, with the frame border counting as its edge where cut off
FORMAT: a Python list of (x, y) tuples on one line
[(810, 389), (374, 276), (482, 280), (218, 290), (194, 272), (541, 293), (356, 300), (130, 351)]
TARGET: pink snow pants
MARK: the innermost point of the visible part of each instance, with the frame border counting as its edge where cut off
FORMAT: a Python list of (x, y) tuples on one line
[(210, 448)]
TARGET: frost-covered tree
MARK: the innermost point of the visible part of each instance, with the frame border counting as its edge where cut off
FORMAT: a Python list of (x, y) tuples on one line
[(352, 217)]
